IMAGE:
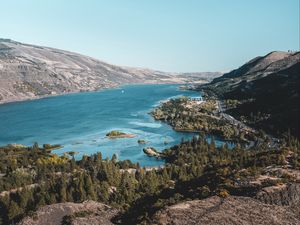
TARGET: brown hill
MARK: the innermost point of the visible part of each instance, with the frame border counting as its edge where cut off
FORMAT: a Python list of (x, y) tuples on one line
[(86, 213), (30, 71), (268, 91), (230, 211)]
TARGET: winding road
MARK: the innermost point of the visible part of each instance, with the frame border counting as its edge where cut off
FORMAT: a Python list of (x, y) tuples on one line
[(273, 142)]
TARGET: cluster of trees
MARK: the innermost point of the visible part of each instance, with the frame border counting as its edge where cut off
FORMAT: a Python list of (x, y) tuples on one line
[(114, 133), (199, 169), (33, 177), (231, 103), (199, 117), (255, 118)]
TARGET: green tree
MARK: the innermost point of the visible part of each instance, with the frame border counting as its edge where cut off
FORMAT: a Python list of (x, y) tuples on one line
[(89, 187), (14, 211)]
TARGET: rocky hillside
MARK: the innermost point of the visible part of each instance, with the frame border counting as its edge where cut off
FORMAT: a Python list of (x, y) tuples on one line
[(262, 66), (230, 211), (29, 71), (279, 204), (280, 201), (265, 90), (286, 195), (210, 211), (85, 213)]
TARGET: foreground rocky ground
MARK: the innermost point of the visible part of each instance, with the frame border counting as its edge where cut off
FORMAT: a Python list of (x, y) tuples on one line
[(276, 205), (89, 212), (230, 211)]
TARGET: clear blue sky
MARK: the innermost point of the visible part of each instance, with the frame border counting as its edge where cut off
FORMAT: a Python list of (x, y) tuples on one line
[(168, 35)]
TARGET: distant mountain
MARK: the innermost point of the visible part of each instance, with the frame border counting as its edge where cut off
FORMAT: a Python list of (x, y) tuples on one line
[(29, 71), (267, 89)]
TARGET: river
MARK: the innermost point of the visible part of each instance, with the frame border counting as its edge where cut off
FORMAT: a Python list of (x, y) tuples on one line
[(80, 122)]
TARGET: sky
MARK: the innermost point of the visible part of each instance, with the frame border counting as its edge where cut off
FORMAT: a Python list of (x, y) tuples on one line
[(167, 35)]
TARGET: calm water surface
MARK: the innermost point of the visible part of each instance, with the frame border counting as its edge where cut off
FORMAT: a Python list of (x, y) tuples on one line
[(80, 121)]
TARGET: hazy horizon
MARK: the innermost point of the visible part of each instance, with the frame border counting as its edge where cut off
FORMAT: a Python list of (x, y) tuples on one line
[(171, 36)]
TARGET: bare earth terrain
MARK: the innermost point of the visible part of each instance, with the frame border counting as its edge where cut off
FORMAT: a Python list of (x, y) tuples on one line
[(231, 211), (29, 72), (91, 213)]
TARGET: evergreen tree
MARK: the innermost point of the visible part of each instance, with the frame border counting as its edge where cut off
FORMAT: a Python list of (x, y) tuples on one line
[(89, 187), (81, 191), (14, 211), (62, 190)]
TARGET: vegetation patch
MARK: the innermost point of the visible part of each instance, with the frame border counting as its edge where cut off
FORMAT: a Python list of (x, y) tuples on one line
[(119, 134), (141, 141), (33, 177), (68, 219), (186, 115), (152, 152)]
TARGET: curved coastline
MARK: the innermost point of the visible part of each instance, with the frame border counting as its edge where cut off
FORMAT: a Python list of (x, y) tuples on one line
[(87, 122)]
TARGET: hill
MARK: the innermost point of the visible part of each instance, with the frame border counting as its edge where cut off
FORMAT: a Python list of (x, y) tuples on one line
[(230, 211), (30, 71), (265, 92), (85, 213)]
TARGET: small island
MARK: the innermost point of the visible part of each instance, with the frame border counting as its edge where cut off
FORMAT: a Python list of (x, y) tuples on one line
[(119, 134), (141, 141), (50, 147), (71, 153), (152, 152)]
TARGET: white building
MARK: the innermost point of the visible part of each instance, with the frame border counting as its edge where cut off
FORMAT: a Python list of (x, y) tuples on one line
[(196, 99)]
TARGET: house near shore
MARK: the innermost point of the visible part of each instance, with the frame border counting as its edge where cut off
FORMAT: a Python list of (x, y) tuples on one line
[(196, 99)]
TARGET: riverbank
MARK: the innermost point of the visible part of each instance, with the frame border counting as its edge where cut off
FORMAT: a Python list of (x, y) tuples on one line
[(26, 98), (32, 98), (198, 115), (79, 122)]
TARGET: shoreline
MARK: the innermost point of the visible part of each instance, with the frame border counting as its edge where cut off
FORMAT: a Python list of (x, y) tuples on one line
[(212, 133), (53, 95), (5, 102), (119, 88)]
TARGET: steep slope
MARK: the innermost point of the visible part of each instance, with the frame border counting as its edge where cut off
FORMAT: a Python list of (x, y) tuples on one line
[(267, 89), (270, 63), (29, 71)]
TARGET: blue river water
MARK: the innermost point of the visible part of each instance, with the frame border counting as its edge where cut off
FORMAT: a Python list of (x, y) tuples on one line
[(80, 122)]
